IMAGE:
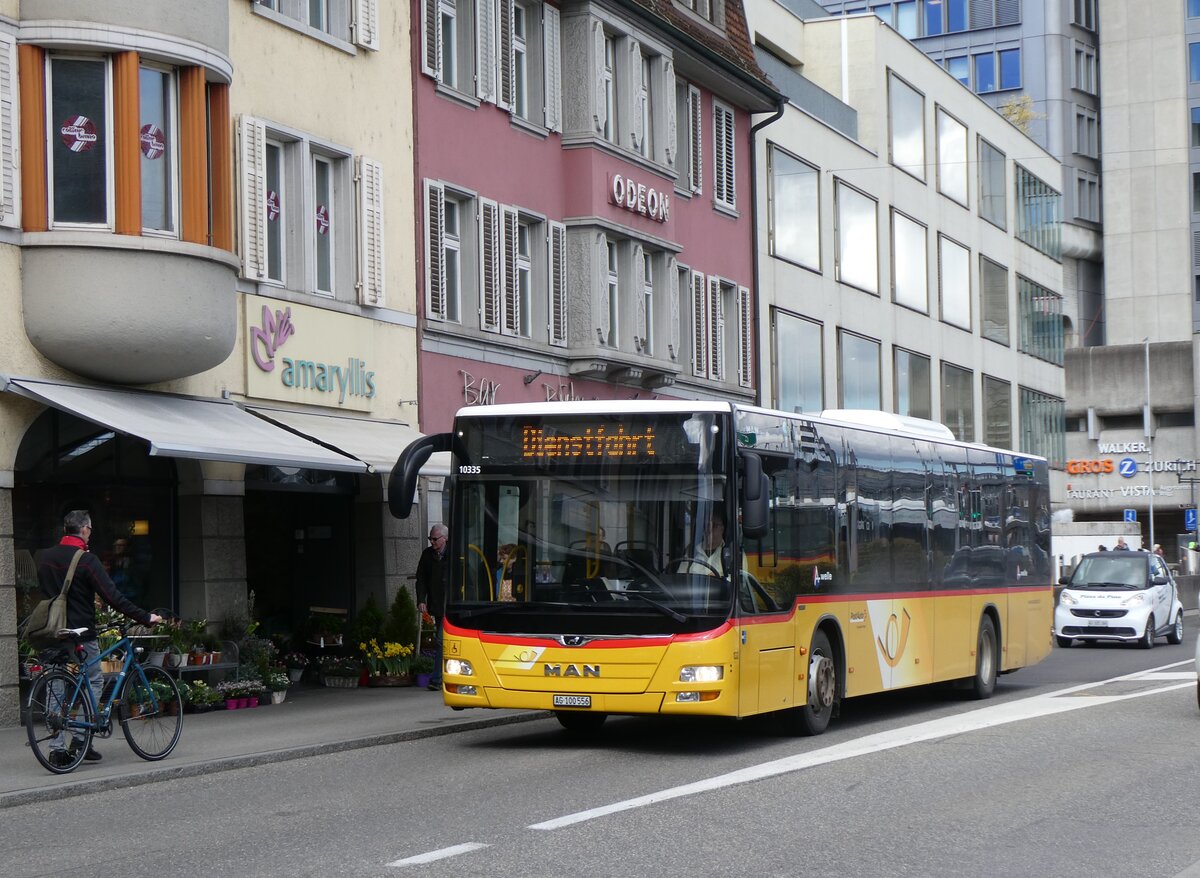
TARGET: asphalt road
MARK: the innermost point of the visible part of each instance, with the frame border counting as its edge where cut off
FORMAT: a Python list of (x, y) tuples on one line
[(1054, 776)]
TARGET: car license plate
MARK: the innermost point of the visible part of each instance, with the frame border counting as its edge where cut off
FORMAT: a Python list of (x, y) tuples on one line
[(1097, 623), (572, 701)]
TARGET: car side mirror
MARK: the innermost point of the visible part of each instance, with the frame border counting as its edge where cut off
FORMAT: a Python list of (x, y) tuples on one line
[(1064, 580), (1159, 580)]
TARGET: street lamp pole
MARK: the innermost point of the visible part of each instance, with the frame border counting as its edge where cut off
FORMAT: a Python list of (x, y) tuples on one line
[(1147, 423)]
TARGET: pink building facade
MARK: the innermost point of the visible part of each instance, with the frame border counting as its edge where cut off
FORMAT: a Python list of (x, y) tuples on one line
[(585, 185)]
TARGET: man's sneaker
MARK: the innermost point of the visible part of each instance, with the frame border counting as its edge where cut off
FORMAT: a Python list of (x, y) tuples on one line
[(60, 758), (434, 687), (92, 755)]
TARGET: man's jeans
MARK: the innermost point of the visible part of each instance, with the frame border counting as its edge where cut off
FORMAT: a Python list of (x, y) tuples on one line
[(91, 649), (436, 678)]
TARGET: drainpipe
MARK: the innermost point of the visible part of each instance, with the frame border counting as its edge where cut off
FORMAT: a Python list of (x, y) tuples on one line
[(755, 330)]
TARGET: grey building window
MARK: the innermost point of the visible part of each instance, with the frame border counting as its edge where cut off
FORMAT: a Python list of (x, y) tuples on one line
[(997, 412), (1195, 192), (1039, 214), (985, 72), (958, 402), (1195, 115), (993, 296), (1041, 321), (952, 157), (910, 263), (1085, 68), (1083, 13), (1193, 8), (993, 192), (1087, 132), (1087, 196), (857, 238), (799, 370), (1043, 426), (912, 391), (795, 214), (906, 120), (859, 384), (954, 282), (960, 68)]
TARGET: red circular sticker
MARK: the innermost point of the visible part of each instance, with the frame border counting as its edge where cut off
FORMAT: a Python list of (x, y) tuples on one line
[(273, 205), (322, 220), (153, 141), (78, 133)]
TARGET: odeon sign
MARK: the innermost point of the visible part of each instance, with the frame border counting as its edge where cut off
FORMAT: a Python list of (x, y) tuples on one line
[(639, 198)]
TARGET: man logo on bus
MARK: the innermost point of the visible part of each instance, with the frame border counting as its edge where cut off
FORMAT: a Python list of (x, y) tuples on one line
[(550, 670), (896, 635)]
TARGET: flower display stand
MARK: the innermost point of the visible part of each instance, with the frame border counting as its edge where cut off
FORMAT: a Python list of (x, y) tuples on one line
[(340, 682)]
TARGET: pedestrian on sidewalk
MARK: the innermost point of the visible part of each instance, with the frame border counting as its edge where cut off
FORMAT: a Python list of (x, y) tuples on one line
[(89, 582), (433, 571)]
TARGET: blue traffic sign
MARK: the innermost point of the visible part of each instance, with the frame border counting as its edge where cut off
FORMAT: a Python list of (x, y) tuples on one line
[(1131, 515), (1189, 520)]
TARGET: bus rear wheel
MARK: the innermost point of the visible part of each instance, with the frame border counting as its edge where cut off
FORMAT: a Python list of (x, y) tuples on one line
[(983, 684), (813, 718), (580, 722)]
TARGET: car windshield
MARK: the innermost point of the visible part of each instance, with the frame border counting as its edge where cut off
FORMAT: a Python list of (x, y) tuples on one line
[(1110, 572)]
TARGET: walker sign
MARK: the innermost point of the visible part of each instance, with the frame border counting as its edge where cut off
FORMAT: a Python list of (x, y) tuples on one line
[(300, 354)]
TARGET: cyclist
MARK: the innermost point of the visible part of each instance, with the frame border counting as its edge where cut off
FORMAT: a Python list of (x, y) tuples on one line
[(89, 582)]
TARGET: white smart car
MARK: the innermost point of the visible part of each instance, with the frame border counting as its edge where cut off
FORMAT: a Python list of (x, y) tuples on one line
[(1119, 596)]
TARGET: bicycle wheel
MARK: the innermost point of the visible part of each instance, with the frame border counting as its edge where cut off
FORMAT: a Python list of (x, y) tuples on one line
[(151, 712), (60, 720)]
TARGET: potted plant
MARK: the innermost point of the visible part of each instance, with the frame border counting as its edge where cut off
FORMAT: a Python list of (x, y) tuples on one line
[(422, 668), (390, 664), (203, 697), (277, 683), (339, 672), (401, 626), (233, 692), (254, 689), (295, 662)]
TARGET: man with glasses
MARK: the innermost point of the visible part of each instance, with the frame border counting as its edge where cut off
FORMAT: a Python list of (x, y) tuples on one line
[(89, 582), (433, 571)]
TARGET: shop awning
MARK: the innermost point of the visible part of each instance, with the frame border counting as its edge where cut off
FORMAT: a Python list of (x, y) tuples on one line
[(375, 442), (179, 426)]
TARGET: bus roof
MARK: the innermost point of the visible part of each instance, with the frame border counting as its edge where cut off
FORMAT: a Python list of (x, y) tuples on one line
[(596, 406)]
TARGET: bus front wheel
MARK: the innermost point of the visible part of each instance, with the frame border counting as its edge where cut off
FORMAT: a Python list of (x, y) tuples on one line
[(983, 684), (813, 718)]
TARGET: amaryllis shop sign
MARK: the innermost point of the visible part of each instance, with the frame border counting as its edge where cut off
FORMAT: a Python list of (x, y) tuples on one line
[(314, 370), (639, 198)]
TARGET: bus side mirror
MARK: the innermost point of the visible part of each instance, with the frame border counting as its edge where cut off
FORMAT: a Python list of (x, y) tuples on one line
[(756, 493), (402, 483)]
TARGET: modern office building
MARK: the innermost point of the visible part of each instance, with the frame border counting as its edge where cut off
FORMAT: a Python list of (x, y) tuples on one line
[(202, 339), (908, 255)]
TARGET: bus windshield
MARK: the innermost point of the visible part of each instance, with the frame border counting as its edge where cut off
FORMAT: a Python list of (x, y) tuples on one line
[(597, 525)]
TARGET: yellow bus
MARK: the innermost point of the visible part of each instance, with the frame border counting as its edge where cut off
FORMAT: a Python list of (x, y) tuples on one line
[(714, 559)]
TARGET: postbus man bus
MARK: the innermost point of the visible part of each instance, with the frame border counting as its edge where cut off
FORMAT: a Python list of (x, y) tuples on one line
[(853, 558)]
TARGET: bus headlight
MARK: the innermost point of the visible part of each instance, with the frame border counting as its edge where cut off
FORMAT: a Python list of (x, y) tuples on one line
[(459, 667), (701, 674)]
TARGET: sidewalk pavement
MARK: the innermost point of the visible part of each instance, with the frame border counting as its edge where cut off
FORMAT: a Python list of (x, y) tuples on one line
[(313, 720)]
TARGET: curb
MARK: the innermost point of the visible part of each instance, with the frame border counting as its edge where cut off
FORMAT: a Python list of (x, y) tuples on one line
[(249, 760)]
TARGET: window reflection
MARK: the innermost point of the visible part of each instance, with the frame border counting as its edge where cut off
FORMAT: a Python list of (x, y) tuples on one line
[(79, 138), (795, 214), (798, 364), (858, 239), (156, 140), (860, 382)]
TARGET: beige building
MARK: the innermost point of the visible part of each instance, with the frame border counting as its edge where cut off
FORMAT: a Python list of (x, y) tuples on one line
[(207, 312), (909, 252)]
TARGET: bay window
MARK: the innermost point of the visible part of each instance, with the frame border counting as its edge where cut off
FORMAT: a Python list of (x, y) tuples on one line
[(80, 152), (159, 154)]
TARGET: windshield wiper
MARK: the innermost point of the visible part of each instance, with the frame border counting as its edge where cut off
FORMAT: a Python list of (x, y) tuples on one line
[(1109, 585), (505, 607), (662, 608)]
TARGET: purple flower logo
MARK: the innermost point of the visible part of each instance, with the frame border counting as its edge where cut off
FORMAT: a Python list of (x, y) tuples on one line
[(268, 338)]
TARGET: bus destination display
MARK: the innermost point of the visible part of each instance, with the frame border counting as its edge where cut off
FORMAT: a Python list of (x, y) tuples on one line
[(589, 443)]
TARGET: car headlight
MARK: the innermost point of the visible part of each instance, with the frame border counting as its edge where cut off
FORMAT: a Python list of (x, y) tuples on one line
[(459, 667), (701, 674), (1067, 598), (1134, 600)]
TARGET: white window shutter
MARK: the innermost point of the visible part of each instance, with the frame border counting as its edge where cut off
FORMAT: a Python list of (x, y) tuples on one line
[(605, 323), (431, 44), (600, 116), (723, 156), (512, 295), (716, 326), (435, 251), (506, 58), (366, 24), (557, 273), (745, 317), (639, 285), (699, 327), (552, 66), (673, 307), (636, 129), (696, 123), (485, 50), (10, 210), (371, 286), (252, 153), (667, 90), (489, 266)]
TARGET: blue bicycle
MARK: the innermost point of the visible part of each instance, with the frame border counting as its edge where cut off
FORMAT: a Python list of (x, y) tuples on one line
[(62, 716)]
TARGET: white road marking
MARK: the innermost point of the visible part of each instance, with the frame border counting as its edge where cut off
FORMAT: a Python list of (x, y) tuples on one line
[(431, 856), (986, 717), (1168, 675)]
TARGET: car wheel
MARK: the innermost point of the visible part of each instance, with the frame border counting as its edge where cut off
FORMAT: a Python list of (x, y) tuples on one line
[(1147, 641), (1063, 641), (1175, 635)]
